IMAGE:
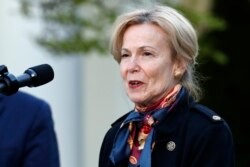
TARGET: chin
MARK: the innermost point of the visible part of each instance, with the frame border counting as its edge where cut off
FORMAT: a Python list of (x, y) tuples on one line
[(138, 101), (137, 98)]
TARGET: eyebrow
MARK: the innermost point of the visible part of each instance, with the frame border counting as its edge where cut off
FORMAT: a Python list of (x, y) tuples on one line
[(141, 48), (124, 49)]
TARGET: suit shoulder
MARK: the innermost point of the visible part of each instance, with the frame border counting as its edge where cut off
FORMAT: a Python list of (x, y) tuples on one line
[(29, 100), (27, 103), (207, 119), (207, 113), (23, 96)]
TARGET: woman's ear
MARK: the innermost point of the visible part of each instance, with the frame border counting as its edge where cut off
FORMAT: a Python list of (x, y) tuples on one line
[(179, 69)]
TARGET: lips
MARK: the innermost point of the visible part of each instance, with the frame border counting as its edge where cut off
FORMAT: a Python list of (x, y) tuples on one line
[(135, 83)]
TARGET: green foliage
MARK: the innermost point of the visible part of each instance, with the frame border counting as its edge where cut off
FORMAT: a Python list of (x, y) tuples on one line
[(83, 26), (205, 23)]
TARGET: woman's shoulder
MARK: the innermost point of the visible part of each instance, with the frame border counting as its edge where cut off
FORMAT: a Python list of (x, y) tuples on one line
[(209, 124), (206, 117), (120, 120), (115, 126), (206, 112)]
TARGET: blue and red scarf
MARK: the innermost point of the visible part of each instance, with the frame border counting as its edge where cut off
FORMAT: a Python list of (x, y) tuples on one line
[(134, 139)]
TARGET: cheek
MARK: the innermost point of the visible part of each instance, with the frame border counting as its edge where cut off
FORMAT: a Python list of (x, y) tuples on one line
[(122, 72), (162, 75)]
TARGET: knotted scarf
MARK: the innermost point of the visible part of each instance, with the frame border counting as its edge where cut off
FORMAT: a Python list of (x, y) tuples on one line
[(134, 139)]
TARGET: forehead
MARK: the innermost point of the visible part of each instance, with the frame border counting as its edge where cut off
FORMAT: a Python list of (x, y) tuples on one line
[(144, 35)]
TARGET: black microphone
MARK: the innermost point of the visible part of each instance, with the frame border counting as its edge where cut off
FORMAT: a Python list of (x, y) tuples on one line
[(32, 77)]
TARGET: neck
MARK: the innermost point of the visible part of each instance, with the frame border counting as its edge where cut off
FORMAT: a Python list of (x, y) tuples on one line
[(165, 101)]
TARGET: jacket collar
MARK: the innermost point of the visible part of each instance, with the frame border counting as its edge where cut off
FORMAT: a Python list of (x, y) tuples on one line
[(174, 119)]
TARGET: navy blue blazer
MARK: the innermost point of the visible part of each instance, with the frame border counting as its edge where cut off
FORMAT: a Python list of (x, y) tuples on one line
[(192, 135), (27, 136)]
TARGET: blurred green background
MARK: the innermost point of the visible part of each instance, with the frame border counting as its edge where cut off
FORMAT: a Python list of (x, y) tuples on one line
[(83, 26)]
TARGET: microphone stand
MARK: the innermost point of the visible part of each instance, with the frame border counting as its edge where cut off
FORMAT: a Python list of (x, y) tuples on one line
[(8, 82)]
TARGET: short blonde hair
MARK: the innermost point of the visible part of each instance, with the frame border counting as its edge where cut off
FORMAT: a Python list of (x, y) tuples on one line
[(183, 38)]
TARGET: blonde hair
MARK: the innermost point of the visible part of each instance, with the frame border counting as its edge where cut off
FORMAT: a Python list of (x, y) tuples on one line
[(183, 39)]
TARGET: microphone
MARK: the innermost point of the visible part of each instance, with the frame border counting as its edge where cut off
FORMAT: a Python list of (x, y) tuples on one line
[(32, 77)]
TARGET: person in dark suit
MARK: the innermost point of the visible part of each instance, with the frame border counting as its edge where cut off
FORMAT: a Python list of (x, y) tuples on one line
[(156, 49), (27, 135)]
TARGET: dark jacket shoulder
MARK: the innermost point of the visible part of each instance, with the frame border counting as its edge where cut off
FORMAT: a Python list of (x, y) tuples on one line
[(108, 141), (121, 119), (207, 113), (202, 118)]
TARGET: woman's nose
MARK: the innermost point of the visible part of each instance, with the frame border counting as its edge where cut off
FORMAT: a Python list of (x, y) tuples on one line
[(133, 65)]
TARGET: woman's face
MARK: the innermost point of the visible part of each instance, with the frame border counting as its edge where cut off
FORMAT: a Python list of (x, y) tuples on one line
[(146, 65)]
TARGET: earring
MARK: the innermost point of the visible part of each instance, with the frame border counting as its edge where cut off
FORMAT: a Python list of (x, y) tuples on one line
[(177, 74)]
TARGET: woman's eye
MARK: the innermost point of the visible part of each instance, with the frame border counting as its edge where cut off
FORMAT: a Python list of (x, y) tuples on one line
[(124, 55), (147, 53)]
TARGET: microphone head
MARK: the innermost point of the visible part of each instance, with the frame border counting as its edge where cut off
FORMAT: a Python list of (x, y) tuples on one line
[(40, 74)]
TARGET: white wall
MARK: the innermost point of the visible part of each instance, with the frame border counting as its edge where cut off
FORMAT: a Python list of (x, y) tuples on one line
[(104, 102)]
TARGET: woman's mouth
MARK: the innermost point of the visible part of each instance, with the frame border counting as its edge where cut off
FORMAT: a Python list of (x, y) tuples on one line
[(135, 84)]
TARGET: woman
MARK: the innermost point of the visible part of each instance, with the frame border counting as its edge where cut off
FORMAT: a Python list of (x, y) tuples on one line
[(156, 50)]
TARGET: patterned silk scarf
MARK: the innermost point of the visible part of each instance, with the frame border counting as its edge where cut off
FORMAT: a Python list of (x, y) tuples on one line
[(134, 139)]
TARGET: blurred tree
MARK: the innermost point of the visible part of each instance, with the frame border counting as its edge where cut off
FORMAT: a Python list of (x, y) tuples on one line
[(83, 26)]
